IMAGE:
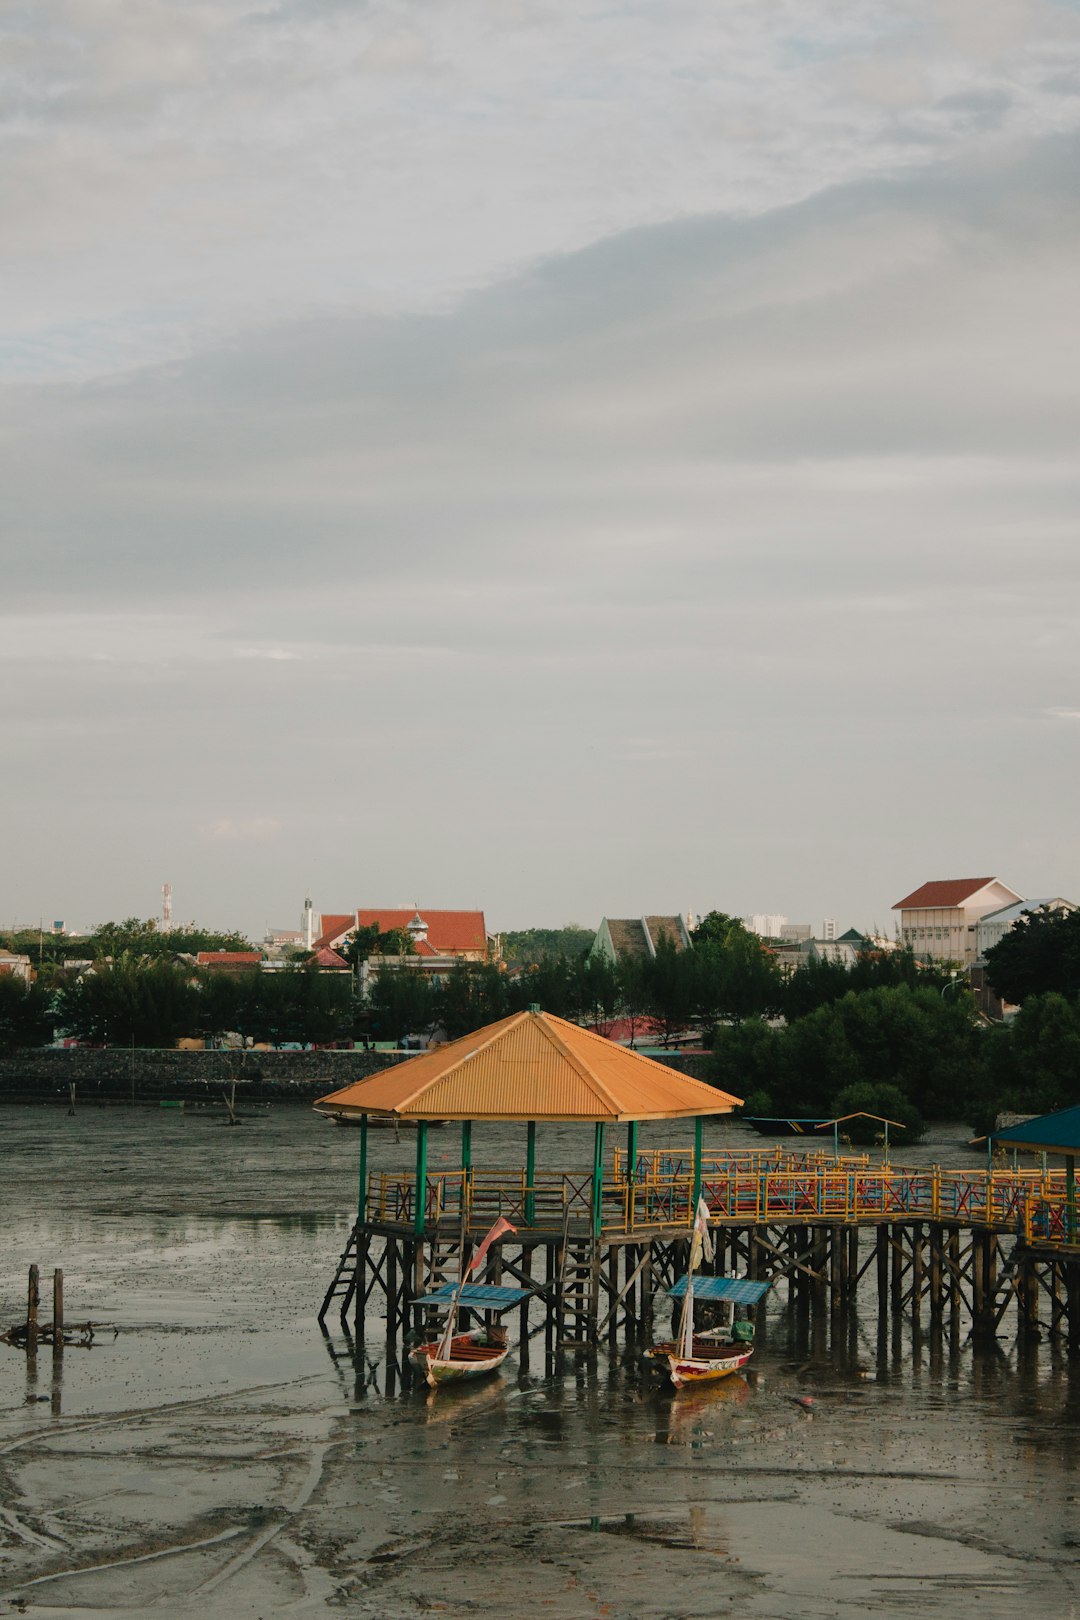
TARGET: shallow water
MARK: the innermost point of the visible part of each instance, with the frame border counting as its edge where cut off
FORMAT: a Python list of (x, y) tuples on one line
[(218, 1456)]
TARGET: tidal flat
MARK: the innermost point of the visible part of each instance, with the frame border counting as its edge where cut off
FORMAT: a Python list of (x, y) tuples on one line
[(214, 1455)]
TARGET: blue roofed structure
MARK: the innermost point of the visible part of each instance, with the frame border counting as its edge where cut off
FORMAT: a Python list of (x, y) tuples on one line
[(1049, 1133)]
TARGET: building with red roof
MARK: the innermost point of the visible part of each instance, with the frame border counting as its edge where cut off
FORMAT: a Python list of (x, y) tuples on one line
[(230, 961), (938, 919), (454, 935)]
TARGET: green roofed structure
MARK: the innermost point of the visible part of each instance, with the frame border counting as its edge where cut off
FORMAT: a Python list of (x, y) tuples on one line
[(1051, 1133), (1048, 1133)]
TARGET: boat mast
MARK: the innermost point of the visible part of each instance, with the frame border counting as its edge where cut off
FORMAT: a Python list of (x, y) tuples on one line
[(443, 1351)]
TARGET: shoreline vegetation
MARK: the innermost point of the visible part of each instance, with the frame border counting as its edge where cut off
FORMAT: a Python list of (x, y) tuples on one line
[(887, 1033)]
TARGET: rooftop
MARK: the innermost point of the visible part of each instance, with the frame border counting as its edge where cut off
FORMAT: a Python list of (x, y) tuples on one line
[(532, 1066)]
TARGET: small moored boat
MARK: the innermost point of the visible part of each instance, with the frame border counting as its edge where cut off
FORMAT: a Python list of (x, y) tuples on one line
[(694, 1357), (453, 1357), (467, 1355)]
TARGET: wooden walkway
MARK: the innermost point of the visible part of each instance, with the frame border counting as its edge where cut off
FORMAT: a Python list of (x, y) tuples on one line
[(1032, 1204), (965, 1246)]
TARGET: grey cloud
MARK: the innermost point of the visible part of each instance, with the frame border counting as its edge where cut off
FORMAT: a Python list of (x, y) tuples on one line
[(792, 497)]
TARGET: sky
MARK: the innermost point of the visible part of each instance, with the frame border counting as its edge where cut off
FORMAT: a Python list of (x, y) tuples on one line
[(561, 457)]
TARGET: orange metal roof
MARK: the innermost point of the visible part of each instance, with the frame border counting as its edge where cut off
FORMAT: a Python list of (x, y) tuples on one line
[(532, 1066)]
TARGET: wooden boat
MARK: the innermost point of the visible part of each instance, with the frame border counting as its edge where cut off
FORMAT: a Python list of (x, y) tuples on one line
[(468, 1355), (694, 1357), (455, 1357), (707, 1356), (782, 1125)]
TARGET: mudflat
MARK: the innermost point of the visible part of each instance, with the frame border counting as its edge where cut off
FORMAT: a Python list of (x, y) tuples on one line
[(213, 1455)]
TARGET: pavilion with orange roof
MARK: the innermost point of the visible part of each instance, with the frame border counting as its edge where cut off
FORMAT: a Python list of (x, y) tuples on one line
[(531, 1067)]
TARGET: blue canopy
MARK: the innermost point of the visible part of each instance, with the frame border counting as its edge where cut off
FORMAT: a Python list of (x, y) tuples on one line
[(736, 1290), (1048, 1133), (476, 1297)]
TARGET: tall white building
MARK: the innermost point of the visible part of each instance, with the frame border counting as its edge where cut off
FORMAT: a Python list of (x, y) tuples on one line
[(765, 924)]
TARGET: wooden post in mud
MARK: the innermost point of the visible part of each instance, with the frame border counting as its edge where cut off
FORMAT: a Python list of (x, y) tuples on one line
[(58, 1314), (836, 1269), (1072, 1298), (917, 1269), (32, 1301), (896, 1239), (936, 1243), (881, 1246), (979, 1278), (1027, 1298), (390, 1265), (71, 1098)]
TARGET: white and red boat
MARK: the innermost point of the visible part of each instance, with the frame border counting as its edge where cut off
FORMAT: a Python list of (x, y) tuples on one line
[(454, 1357), (694, 1357)]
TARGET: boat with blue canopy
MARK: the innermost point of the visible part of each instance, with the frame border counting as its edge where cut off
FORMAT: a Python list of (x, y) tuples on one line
[(695, 1357)]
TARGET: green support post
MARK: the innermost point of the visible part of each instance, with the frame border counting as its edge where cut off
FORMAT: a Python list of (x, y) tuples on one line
[(1070, 1198), (530, 1173), (361, 1201), (698, 1124), (597, 1177), (631, 1150), (420, 1205), (466, 1171)]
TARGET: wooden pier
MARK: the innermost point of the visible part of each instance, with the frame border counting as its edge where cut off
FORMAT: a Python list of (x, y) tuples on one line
[(958, 1251)]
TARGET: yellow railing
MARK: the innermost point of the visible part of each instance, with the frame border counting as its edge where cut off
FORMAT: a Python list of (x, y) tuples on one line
[(1031, 1203), (671, 1162)]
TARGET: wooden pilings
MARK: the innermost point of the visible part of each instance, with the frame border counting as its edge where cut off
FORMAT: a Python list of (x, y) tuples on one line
[(586, 1290)]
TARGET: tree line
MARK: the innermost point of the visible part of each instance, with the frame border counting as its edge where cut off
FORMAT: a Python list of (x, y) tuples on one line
[(886, 1034)]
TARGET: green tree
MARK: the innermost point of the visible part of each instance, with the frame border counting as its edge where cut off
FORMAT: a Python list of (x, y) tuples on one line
[(1039, 954), (1032, 1064), (26, 1016), (597, 990), (128, 1001), (522, 947), (401, 1002), (887, 1102), (669, 988), (718, 928)]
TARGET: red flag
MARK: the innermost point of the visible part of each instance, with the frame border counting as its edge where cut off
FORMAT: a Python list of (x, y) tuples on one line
[(501, 1226)]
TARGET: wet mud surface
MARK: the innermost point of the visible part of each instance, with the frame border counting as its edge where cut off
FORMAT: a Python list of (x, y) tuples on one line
[(219, 1458)]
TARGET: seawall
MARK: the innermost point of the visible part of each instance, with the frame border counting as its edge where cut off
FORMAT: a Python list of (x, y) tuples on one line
[(150, 1075)]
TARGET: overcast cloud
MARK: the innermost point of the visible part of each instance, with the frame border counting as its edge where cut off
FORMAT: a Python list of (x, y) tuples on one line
[(567, 459)]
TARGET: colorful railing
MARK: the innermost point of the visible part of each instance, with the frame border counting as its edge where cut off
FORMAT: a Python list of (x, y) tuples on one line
[(1031, 1203)]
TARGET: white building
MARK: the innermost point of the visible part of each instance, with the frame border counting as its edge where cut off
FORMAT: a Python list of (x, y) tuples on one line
[(766, 925), (938, 919), (991, 929)]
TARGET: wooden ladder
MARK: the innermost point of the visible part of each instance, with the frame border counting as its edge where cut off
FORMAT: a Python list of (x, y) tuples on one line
[(578, 1289), (346, 1278)]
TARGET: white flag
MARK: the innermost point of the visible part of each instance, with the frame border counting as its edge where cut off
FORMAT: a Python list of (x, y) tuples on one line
[(701, 1228)]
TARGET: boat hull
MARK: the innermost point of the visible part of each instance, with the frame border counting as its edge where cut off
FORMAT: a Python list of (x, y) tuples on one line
[(472, 1355), (708, 1362)]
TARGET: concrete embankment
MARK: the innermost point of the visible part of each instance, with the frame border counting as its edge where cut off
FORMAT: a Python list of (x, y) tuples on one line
[(151, 1075)]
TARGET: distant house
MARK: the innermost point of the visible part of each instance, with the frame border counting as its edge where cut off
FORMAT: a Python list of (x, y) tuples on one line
[(457, 935), (15, 966), (939, 919), (846, 949), (230, 961), (620, 937), (991, 929)]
